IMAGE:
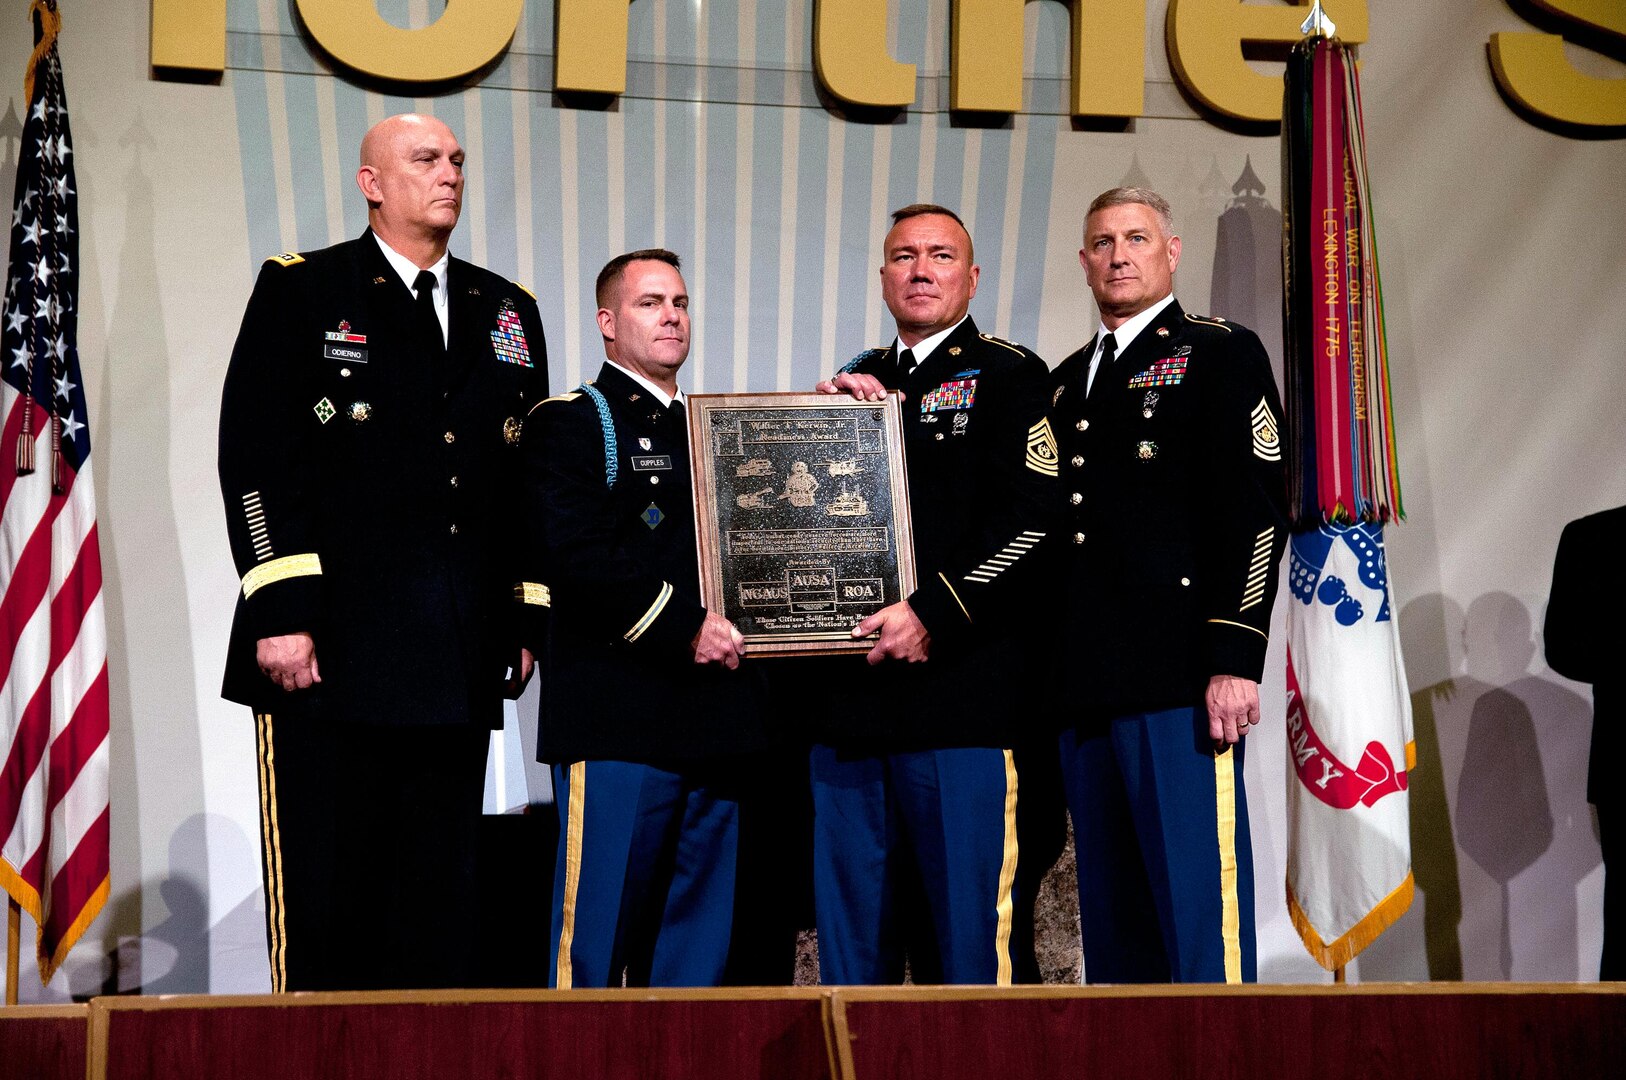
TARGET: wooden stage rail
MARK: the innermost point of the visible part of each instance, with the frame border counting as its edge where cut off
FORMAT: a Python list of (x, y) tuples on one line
[(1435, 1031)]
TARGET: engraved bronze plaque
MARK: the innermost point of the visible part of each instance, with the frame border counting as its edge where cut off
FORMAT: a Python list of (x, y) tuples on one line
[(802, 508)]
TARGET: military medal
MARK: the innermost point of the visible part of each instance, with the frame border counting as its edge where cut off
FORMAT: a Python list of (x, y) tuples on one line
[(511, 429), (508, 339), (345, 346), (961, 420), (360, 410), (1170, 371), (1148, 403), (1147, 450)]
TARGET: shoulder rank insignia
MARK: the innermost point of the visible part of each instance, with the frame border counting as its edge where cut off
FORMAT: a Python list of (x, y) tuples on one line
[(867, 354), (287, 258), (572, 396), (1267, 439), (1042, 457), (1003, 343), (1208, 320)]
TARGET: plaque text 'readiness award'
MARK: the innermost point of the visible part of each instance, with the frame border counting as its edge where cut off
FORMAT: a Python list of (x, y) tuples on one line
[(803, 513)]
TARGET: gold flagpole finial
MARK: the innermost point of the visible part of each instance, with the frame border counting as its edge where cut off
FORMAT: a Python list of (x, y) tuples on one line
[(1318, 25)]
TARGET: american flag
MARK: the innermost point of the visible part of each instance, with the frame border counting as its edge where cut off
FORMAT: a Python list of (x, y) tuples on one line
[(53, 642)]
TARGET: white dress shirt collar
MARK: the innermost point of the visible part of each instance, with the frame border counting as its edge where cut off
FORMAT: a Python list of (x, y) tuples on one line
[(926, 346)]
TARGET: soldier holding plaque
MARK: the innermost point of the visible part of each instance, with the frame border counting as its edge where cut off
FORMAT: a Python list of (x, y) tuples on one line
[(914, 778), (644, 709)]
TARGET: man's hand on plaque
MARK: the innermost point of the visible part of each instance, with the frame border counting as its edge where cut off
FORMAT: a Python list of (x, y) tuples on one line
[(718, 642), (861, 387), (903, 635)]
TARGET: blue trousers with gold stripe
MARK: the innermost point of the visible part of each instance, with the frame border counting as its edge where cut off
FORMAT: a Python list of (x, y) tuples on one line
[(948, 816), (1165, 864), (645, 876)]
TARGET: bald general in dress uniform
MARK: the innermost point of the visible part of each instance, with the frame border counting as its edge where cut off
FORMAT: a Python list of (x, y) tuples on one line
[(1175, 493), (368, 452)]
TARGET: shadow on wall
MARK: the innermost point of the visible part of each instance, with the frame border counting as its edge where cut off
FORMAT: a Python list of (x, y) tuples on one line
[(1501, 755), (178, 953), (149, 636)]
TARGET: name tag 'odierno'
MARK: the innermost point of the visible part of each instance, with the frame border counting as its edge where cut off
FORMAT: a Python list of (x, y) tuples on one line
[(651, 463), (350, 354)]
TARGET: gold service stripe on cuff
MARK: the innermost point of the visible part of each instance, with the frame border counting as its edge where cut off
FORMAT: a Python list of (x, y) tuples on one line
[(289, 566)]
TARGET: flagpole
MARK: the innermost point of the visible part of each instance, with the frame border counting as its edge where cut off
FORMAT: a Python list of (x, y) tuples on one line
[(14, 940)]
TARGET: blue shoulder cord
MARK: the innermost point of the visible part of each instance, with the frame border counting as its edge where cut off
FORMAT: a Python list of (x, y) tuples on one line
[(612, 466)]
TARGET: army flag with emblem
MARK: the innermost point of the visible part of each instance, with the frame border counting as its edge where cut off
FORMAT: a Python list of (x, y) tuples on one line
[(54, 832), (1349, 719)]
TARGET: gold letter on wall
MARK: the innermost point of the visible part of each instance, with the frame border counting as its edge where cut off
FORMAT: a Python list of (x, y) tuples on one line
[(1532, 69), (189, 35), (1205, 39), (468, 35), (1109, 56), (850, 57), (590, 46)]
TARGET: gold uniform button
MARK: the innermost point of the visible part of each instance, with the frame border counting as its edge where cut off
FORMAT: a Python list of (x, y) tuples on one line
[(1075, 498), (1082, 424), (939, 436), (1078, 538), (450, 438), (1185, 581), (454, 481), (1078, 461), (654, 479), (454, 530)]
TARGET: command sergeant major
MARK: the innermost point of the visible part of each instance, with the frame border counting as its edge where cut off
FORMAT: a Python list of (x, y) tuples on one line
[(1176, 497), (915, 775)]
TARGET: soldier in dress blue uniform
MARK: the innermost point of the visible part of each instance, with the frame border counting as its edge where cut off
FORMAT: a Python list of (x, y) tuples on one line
[(1175, 492), (914, 778), (645, 712), (368, 452)]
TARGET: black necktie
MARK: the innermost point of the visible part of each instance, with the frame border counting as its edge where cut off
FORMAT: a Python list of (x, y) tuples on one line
[(1109, 349), (427, 324), (906, 363)]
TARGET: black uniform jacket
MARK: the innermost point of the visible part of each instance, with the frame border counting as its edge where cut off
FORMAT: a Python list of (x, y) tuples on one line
[(981, 460), (367, 505), (619, 681), (1175, 493), (1586, 639)]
